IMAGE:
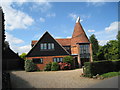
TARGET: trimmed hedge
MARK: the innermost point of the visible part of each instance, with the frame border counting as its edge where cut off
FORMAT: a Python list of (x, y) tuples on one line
[(100, 67), (55, 66), (48, 67), (30, 66)]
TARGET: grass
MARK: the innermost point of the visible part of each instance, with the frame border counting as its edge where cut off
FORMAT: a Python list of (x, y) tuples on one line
[(110, 74)]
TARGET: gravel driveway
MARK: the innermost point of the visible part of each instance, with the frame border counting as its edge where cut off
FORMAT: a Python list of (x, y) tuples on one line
[(51, 79)]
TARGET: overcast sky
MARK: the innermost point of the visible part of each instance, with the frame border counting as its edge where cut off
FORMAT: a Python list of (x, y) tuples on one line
[(27, 21)]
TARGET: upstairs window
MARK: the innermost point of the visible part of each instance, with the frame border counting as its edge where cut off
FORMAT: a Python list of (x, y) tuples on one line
[(47, 46), (38, 60)]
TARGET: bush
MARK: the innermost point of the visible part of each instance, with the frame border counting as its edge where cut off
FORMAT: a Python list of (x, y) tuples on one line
[(54, 66), (30, 66), (68, 59), (64, 66), (48, 67), (100, 67)]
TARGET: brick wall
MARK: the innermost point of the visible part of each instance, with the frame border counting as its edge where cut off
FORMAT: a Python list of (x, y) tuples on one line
[(46, 60)]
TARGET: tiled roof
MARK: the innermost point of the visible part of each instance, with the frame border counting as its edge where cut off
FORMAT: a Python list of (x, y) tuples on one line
[(79, 35), (33, 42), (63, 42)]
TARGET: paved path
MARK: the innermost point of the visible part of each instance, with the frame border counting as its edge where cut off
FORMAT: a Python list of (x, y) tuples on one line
[(52, 79)]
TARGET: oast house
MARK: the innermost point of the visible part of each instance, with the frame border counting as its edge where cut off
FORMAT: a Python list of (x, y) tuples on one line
[(48, 49)]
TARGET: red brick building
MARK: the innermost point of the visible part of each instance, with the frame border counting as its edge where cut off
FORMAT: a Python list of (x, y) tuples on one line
[(47, 49)]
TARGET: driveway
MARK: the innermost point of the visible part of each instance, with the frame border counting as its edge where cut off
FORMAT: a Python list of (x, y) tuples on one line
[(51, 79), (107, 83)]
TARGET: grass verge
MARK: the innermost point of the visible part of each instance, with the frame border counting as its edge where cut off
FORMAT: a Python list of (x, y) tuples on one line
[(110, 74)]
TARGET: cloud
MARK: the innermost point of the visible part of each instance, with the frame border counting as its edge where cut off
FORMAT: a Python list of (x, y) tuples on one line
[(14, 43), (12, 39), (21, 49), (74, 16), (91, 30), (95, 3), (113, 27), (109, 33), (41, 6), (15, 19), (42, 19), (51, 15), (102, 42)]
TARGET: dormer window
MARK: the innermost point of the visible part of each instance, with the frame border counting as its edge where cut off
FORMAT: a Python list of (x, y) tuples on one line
[(47, 46)]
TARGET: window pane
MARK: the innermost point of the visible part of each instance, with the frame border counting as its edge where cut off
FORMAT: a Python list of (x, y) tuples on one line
[(52, 45), (41, 60), (54, 59), (45, 46), (49, 45), (41, 46), (57, 59), (61, 59)]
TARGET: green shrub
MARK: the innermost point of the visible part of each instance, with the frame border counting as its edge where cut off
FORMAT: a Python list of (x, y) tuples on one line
[(48, 67), (30, 66), (100, 67), (68, 59), (54, 66)]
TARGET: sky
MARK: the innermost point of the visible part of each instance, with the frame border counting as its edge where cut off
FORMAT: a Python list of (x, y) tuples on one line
[(27, 21)]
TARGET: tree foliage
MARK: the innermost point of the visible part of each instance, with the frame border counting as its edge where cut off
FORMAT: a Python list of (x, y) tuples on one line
[(108, 51), (118, 38), (30, 66), (68, 59), (23, 55), (48, 67), (54, 66), (95, 46)]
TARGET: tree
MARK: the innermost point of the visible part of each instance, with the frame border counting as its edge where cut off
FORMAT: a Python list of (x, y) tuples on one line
[(118, 38), (23, 55), (112, 47), (100, 53), (95, 46), (108, 51)]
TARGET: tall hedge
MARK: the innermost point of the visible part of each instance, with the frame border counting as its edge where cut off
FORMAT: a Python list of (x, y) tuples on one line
[(101, 67), (30, 66)]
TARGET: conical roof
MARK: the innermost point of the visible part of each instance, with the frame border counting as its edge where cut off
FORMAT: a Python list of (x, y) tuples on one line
[(79, 35)]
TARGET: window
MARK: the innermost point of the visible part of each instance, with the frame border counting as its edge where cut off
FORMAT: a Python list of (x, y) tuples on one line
[(41, 46), (84, 51), (47, 46), (57, 59), (52, 45), (38, 60)]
